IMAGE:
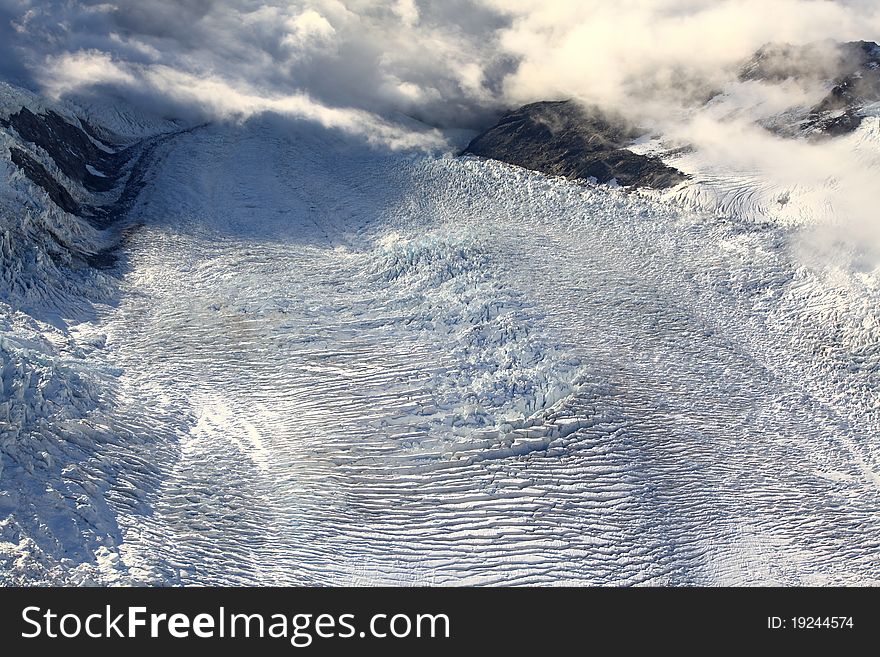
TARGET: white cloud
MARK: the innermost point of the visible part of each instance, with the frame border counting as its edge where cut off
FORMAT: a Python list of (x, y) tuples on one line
[(72, 71), (448, 62), (308, 30), (407, 11), (603, 52)]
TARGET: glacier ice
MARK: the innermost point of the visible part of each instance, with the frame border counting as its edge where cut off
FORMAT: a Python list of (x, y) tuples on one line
[(319, 362)]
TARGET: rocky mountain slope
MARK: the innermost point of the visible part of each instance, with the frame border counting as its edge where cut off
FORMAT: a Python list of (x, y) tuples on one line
[(576, 141), (563, 138)]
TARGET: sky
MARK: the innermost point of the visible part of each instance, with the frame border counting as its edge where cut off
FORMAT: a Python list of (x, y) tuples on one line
[(450, 63)]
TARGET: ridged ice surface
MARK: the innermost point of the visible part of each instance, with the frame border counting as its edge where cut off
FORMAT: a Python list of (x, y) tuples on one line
[(331, 365)]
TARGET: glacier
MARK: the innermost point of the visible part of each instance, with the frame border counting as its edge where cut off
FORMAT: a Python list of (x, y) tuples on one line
[(318, 361)]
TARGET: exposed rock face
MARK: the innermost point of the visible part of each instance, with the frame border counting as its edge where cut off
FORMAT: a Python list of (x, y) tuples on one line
[(852, 68), (100, 166), (70, 148), (561, 138), (37, 174), (95, 178), (96, 165)]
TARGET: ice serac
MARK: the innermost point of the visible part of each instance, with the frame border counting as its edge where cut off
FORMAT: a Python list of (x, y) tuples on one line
[(562, 138)]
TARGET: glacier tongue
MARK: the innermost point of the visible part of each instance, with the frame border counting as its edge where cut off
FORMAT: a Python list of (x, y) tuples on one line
[(327, 364)]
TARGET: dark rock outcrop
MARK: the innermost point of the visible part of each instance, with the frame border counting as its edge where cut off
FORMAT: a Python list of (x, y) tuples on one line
[(561, 138), (112, 173), (70, 148), (38, 175)]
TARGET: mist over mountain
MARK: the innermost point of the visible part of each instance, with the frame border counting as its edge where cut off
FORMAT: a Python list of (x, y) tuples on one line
[(448, 64)]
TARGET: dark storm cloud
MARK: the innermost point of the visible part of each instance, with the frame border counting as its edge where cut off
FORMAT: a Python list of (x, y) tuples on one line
[(436, 62), (12, 64), (170, 19)]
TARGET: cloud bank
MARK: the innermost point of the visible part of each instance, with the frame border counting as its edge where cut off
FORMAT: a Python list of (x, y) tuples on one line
[(450, 63)]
